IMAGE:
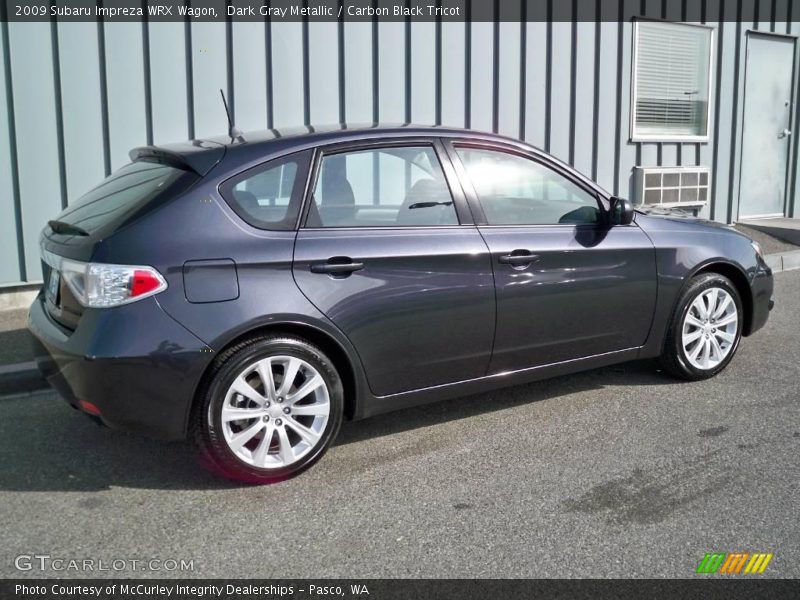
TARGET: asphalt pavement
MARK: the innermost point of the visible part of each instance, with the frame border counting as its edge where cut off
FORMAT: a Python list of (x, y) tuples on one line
[(618, 472)]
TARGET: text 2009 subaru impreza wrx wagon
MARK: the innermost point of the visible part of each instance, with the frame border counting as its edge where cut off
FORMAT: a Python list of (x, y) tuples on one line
[(254, 293)]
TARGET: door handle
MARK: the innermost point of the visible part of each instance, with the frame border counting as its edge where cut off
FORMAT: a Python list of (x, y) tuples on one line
[(337, 266), (784, 133), (518, 258)]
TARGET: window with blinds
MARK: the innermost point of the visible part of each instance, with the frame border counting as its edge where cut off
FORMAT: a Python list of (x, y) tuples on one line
[(671, 81)]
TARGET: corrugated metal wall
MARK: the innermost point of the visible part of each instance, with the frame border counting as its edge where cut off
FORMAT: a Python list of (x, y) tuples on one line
[(78, 96)]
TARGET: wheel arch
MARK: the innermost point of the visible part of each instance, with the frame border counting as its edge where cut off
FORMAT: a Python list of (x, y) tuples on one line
[(345, 365), (739, 279)]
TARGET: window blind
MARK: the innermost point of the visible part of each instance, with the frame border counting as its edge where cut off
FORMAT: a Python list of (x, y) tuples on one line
[(672, 80)]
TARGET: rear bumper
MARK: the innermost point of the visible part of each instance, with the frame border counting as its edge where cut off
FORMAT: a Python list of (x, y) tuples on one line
[(137, 365), (761, 287)]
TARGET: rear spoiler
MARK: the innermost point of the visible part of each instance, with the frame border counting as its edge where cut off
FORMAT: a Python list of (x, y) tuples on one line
[(197, 156)]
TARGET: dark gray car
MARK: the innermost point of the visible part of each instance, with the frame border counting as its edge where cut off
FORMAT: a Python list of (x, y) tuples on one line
[(253, 293)]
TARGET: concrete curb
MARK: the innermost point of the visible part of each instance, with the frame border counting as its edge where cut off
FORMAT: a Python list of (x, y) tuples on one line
[(783, 261), (20, 378), (30, 395), (24, 378)]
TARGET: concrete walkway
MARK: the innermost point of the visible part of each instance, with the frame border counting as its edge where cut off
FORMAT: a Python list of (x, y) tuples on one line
[(769, 244), (787, 230)]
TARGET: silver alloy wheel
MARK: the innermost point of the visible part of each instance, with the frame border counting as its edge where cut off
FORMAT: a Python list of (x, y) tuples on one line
[(709, 328), (275, 412)]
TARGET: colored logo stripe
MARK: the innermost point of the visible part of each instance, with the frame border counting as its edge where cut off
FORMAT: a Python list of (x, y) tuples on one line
[(732, 563), (758, 563), (711, 562)]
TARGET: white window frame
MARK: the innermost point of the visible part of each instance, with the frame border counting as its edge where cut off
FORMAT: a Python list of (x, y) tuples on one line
[(659, 137)]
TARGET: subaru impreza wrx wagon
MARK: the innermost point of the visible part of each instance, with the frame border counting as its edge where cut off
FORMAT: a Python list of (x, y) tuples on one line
[(252, 293)]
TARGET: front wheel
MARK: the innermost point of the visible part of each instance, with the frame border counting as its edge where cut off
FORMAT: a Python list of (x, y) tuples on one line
[(705, 330), (270, 408)]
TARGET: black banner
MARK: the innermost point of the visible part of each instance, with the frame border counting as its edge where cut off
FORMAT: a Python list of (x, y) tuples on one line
[(360, 10), (387, 589)]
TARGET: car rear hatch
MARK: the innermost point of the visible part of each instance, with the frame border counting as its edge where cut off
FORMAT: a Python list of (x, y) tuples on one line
[(155, 176)]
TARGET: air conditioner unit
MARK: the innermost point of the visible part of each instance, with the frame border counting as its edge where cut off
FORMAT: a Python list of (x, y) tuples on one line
[(672, 186)]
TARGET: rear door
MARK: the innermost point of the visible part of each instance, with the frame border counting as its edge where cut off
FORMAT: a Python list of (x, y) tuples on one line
[(389, 253), (568, 285)]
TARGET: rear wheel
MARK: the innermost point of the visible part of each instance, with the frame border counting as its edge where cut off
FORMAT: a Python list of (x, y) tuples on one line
[(270, 409), (705, 330)]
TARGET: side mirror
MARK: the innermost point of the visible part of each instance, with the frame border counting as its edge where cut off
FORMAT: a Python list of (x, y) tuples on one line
[(621, 212)]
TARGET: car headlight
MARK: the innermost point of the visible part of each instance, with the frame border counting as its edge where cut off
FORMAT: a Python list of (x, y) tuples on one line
[(757, 247)]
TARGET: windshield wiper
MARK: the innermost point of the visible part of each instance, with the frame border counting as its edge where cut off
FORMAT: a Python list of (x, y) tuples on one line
[(66, 228)]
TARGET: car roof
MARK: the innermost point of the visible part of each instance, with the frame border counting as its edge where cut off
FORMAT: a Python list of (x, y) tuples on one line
[(252, 147), (331, 133), (202, 154)]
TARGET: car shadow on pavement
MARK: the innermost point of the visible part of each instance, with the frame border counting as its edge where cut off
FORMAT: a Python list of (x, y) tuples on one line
[(637, 373), (48, 447)]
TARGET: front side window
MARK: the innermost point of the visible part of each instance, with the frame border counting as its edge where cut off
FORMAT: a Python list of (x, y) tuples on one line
[(513, 190), (269, 196), (382, 187), (671, 81)]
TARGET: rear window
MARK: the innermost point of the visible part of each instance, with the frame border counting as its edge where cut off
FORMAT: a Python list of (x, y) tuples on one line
[(125, 193)]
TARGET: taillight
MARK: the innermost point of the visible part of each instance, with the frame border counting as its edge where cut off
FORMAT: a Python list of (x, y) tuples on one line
[(97, 285), (88, 407), (145, 281)]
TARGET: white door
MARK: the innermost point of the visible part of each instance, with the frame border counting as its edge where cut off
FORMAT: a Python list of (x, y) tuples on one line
[(767, 125)]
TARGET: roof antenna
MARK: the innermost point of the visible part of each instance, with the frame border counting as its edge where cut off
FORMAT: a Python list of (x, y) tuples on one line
[(233, 132)]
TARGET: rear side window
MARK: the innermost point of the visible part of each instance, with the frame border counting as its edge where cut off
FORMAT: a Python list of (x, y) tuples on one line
[(382, 187), (124, 194), (269, 196)]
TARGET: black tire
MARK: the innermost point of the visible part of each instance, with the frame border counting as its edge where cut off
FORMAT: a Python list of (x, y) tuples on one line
[(673, 360), (207, 432)]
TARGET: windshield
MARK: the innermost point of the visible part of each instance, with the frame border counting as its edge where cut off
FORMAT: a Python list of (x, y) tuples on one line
[(124, 194)]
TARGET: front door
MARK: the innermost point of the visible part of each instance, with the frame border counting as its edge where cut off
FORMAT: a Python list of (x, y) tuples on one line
[(568, 286), (383, 256), (767, 125)]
